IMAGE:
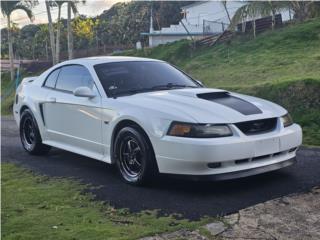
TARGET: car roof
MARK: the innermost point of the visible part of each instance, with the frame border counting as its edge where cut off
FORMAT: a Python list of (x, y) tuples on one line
[(106, 59)]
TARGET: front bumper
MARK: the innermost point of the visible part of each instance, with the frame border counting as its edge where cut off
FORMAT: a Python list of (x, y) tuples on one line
[(241, 173), (228, 157)]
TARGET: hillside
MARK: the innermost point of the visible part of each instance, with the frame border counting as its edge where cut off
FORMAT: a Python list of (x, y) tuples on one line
[(282, 66)]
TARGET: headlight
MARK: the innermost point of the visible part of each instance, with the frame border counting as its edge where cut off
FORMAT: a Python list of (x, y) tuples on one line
[(199, 130), (286, 120)]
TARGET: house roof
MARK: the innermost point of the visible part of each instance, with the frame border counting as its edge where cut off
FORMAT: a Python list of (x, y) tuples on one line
[(193, 4)]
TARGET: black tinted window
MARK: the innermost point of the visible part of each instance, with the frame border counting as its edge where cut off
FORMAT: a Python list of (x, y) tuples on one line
[(128, 77), (52, 78), (72, 77)]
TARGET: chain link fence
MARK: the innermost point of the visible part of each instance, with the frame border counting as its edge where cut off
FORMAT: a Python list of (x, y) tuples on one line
[(213, 27)]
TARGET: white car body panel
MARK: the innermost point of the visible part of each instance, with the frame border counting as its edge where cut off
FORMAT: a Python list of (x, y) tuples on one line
[(85, 126)]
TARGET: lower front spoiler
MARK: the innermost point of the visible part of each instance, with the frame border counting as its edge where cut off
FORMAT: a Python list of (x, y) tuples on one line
[(238, 174)]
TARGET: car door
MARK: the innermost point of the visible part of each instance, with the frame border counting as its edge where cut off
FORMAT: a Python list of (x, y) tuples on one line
[(72, 122)]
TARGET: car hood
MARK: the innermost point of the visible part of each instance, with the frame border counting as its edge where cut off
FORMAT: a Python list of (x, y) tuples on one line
[(206, 105)]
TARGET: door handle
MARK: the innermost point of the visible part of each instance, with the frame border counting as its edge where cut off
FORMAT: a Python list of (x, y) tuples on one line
[(52, 100)]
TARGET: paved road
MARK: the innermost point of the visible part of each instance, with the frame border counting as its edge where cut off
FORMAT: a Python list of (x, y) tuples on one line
[(192, 199)]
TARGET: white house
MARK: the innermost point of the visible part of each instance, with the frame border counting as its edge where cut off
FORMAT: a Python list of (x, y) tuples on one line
[(200, 19)]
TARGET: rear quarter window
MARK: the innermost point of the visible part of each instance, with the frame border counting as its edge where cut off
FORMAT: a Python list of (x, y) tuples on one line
[(52, 79)]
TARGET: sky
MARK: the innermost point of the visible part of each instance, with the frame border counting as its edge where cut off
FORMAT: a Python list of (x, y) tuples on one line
[(90, 8)]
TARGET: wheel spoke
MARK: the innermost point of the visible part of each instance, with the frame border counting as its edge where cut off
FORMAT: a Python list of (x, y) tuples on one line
[(29, 135), (129, 146), (130, 157), (136, 150), (137, 162)]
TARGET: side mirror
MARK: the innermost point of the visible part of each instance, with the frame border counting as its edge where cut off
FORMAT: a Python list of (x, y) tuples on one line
[(84, 92)]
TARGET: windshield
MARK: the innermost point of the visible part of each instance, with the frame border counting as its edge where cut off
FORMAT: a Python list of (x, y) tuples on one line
[(124, 78)]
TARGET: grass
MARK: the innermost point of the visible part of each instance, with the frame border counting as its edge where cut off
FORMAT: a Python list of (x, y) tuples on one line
[(6, 87), (38, 207), (282, 66), (8, 90), (290, 53), (300, 97)]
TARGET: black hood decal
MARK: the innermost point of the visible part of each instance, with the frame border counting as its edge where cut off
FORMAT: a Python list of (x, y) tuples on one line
[(238, 104)]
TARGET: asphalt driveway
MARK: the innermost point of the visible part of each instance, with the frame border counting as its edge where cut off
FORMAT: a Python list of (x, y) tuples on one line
[(191, 199)]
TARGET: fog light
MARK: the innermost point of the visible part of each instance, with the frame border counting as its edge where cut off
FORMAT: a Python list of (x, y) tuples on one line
[(214, 165)]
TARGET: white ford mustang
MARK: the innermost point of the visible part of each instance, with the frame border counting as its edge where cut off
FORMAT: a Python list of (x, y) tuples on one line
[(148, 117)]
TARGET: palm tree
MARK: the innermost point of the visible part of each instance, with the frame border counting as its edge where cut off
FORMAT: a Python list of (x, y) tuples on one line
[(302, 9), (51, 31), (59, 4), (255, 9), (224, 3), (41, 40), (72, 5), (272, 8), (7, 7)]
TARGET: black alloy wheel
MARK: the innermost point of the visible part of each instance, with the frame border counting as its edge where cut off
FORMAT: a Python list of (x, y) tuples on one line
[(30, 135), (134, 156)]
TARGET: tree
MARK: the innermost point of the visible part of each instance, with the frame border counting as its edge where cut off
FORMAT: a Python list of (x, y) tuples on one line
[(7, 7), (41, 41), (51, 31), (25, 43), (59, 4), (70, 36), (224, 3), (302, 9), (84, 29), (72, 5), (255, 9)]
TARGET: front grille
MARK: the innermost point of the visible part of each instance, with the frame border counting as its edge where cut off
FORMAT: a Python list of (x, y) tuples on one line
[(257, 126)]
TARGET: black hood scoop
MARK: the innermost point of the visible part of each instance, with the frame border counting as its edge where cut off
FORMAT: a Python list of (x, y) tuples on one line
[(238, 104)]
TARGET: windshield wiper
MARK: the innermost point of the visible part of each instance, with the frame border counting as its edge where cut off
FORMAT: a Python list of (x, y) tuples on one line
[(155, 88), (172, 85), (131, 91)]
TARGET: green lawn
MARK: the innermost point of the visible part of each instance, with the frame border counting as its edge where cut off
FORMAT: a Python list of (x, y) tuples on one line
[(290, 53), (37, 207), (282, 66)]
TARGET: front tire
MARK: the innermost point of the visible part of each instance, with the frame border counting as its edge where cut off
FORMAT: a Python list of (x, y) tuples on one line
[(134, 156), (30, 135)]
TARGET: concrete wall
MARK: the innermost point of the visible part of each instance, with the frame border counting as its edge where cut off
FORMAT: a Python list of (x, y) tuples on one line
[(212, 11), (157, 40)]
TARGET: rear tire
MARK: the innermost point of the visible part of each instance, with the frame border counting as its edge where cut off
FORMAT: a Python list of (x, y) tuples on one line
[(30, 135), (134, 156)]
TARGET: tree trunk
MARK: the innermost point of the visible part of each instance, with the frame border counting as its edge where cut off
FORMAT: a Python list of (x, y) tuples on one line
[(254, 28), (47, 55), (273, 21), (97, 40), (10, 50), (226, 9), (58, 35), (33, 45), (51, 34), (70, 37)]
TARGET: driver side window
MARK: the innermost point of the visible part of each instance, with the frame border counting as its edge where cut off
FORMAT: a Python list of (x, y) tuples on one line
[(72, 77)]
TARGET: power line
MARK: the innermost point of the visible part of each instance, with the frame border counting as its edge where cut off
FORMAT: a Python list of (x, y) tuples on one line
[(35, 14), (44, 12)]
